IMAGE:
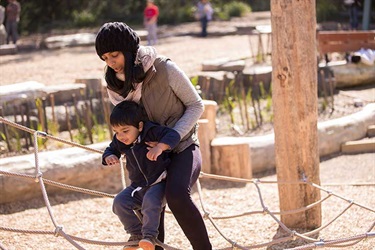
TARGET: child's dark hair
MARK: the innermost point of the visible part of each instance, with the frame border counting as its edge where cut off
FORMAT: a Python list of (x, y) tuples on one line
[(117, 36), (126, 113)]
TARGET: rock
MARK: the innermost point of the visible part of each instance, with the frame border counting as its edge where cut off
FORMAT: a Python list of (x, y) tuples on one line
[(358, 102), (27, 92), (20, 92), (79, 39), (8, 49)]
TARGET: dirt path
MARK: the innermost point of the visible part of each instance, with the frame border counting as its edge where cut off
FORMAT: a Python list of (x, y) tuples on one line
[(53, 67), (65, 65), (91, 218)]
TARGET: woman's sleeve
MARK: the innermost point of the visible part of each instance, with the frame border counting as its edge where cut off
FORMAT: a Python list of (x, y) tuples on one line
[(186, 92)]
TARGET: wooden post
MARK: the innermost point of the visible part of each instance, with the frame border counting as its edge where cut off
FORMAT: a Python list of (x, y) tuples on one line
[(294, 96), (210, 109), (93, 86), (231, 158), (207, 132), (205, 145)]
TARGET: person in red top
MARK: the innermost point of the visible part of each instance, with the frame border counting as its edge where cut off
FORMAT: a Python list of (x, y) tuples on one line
[(12, 13), (150, 19)]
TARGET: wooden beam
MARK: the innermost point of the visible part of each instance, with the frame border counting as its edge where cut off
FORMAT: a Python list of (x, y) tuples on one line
[(294, 96), (345, 41)]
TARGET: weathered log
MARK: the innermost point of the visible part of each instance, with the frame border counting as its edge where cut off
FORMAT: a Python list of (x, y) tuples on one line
[(93, 86), (223, 64), (351, 74), (255, 75), (231, 159), (213, 84)]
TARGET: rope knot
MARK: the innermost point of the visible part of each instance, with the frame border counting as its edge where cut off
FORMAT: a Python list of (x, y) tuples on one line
[(293, 235), (58, 229), (319, 244), (234, 244), (265, 210), (370, 234), (39, 174), (41, 133), (206, 215)]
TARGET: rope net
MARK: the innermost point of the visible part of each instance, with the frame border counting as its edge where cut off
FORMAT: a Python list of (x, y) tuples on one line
[(304, 240)]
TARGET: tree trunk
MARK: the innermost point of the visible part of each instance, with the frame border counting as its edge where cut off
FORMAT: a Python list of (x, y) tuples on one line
[(294, 96)]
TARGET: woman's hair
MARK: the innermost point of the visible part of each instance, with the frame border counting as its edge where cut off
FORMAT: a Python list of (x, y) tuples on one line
[(117, 36), (126, 113)]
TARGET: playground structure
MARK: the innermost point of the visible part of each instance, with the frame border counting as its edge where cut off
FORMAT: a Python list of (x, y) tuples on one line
[(310, 239)]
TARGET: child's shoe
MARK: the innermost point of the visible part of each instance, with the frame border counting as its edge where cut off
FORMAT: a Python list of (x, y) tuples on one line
[(134, 245), (147, 243)]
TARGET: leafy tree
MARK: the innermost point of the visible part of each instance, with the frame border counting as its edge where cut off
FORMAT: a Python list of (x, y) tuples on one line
[(45, 15)]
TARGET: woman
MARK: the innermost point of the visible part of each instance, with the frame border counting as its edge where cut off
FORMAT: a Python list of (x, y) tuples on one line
[(137, 73)]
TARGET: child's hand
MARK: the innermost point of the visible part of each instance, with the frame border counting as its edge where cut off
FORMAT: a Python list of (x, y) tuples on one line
[(112, 160), (154, 152)]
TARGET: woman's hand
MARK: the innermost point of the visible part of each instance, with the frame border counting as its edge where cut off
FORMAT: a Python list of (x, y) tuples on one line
[(154, 152), (151, 144), (155, 149), (112, 160)]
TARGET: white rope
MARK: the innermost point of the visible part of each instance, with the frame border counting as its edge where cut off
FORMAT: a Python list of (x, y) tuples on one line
[(59, 231)]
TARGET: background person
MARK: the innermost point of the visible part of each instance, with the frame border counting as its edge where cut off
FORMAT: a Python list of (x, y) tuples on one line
[(147, 171), (137, 73), (204, 15), (3, 33), (354, 7), (13, 11), (150, 20)]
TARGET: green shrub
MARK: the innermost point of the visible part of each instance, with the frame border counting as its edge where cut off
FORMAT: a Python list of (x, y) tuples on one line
[(236, 9), (221, 15), (325, 10), (83, 18)]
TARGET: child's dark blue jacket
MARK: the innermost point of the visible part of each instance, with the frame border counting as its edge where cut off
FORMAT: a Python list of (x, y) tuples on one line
[(142, 171)]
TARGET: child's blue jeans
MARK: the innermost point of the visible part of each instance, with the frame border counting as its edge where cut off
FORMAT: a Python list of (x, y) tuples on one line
[(150, 201)]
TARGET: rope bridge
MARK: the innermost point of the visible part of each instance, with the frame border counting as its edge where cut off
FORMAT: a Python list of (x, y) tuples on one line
[(290, 234)]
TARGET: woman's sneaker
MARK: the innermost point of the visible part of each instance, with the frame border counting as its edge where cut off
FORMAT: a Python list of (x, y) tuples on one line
[(147, 243), (134, 246)]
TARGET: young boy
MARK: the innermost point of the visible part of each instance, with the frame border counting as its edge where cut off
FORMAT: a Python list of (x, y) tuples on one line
[(147, 171)]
